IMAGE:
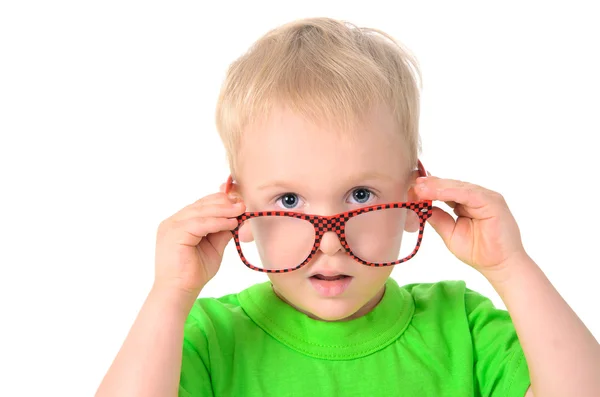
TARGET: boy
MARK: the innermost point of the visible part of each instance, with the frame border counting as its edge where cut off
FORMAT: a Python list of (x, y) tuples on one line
[(319, 119)]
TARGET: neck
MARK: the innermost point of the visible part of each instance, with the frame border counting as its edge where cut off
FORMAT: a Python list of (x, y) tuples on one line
[(370, 305)]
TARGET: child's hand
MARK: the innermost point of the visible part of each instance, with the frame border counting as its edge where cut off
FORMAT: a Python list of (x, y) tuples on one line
[(485, 235), (190, 244)]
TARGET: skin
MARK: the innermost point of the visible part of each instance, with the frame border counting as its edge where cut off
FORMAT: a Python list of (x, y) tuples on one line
[(562, 355), (287, 154), (324, 179)]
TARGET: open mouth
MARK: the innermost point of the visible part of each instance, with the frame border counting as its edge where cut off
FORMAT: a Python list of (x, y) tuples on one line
[(329, 278), (330, 286)]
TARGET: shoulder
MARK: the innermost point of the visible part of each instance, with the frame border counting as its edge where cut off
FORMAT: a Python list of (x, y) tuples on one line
[(214, 318), (441, 293), (225, 305), (445, 287), (447, 292), (450, 300), (224, 308)]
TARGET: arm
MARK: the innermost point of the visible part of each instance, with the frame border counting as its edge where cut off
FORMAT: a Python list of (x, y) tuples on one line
[(189, 249), (149, 362), (562, 354)]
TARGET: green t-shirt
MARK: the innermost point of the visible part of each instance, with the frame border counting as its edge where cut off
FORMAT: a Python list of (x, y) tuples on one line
[(438, 339)]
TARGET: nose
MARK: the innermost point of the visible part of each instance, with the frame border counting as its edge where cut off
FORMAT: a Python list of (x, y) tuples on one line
[(330, 244)]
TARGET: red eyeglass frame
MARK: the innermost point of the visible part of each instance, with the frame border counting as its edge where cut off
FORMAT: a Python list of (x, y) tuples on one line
[(337, 224)]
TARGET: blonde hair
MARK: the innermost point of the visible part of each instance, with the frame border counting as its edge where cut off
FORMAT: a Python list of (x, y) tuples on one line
[(325, 70)]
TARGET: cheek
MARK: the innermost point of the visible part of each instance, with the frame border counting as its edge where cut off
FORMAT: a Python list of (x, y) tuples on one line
[(383, 236), (412, 222), (289, 287), (245, 233), (374, 277), (283, 242), (376, 237)]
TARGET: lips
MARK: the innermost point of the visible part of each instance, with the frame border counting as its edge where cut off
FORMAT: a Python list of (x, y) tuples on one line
[(329, 278), (330, 285)]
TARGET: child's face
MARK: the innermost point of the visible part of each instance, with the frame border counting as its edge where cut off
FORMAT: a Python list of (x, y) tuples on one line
[(289, 164)]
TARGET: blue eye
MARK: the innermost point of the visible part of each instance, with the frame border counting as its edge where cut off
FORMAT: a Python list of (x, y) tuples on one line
[(289, 200), (361, 195)]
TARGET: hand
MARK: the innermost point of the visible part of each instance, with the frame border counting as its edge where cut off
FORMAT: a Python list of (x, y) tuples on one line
[(190, 244), (485, 235)]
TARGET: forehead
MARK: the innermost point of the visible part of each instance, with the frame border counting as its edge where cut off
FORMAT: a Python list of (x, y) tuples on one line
[(288, 147)]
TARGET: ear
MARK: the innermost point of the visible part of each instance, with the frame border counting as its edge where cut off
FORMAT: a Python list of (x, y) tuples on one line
[(230, 186), (412, 219), (233, 190)]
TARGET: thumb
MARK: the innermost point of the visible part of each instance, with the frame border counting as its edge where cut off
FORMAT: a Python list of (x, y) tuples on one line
[(443, 223), (219, 240)]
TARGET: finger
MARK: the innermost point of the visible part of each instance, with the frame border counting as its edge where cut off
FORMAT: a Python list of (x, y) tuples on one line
[(460, 210), (214, 210), (215, 198), (443, 223), (219, 240), (190, 231), (450, 204), (449, 190)]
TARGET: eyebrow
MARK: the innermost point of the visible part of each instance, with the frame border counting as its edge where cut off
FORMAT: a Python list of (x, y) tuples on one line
[(366, 176)]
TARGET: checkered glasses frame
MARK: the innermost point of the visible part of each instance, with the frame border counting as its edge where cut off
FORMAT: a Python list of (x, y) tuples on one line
[(336, 224)]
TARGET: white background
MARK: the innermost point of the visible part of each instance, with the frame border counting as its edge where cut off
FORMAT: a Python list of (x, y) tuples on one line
[(107, 127)]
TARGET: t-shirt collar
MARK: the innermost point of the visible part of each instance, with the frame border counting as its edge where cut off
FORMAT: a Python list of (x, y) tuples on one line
[(343, 340)]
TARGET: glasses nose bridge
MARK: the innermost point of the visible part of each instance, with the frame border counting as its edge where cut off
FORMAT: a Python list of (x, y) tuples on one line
[(334, 224), (332, 244)]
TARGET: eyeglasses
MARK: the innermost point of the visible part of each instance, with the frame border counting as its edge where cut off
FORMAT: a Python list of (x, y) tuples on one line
[(377, 236)]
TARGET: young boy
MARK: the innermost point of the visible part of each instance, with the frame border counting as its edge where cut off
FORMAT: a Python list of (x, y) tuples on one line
[(320, 118)]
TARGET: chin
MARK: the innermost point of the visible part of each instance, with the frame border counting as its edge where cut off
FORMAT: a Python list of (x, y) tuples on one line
[(333, 310)]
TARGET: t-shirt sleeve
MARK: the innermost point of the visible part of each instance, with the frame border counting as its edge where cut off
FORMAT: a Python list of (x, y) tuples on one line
[(500, 366), (195, 373)]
